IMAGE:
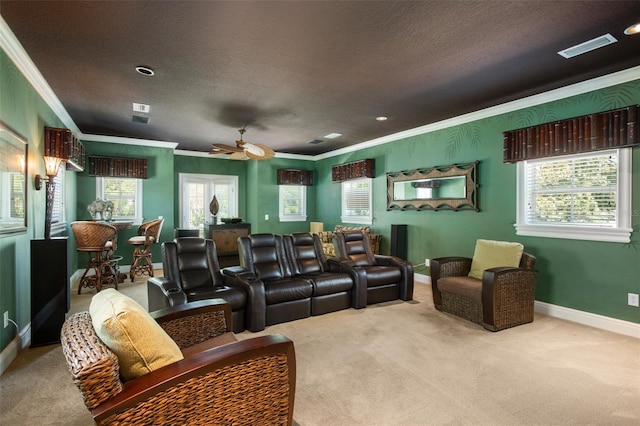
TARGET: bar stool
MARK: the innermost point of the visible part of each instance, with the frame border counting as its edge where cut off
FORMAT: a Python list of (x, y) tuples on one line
[(99, 240), (148, 234)]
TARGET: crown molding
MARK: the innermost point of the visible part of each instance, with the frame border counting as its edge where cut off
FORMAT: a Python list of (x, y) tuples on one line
[(18, 55)]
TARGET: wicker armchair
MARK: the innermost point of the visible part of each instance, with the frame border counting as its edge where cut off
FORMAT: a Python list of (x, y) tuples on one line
[(250, 381), (503, 298), (98, 240)]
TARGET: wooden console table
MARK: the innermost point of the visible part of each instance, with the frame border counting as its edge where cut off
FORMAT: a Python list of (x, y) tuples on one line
[(226, 239)]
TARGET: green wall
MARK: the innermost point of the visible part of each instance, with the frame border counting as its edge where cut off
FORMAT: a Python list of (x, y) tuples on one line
[(22, 108), (589, 276), (157, 193)]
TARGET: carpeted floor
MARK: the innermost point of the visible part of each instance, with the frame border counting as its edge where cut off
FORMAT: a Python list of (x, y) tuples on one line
[(401, 363)]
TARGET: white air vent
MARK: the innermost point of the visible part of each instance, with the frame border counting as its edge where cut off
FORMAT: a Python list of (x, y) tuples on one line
[(141, 108), (588, 46)]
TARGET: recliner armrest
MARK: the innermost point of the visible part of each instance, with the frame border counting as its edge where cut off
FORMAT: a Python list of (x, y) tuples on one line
[(256, 300), (163, 293)]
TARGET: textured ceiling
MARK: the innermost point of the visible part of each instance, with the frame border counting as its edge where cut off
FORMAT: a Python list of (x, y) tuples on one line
[(292, 72)]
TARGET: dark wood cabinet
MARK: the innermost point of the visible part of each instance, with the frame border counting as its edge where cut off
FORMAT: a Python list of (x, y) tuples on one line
[(226, 239), (50, 295)]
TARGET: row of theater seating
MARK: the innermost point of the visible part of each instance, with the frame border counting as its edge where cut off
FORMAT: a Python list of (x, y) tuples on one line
[(281, 277)]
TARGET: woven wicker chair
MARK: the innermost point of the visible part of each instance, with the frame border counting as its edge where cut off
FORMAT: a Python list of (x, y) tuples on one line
[(99, 240), (148, 234), (503, 298), (245, 382)]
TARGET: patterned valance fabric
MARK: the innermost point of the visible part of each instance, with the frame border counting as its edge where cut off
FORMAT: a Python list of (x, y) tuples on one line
[(594, 132)]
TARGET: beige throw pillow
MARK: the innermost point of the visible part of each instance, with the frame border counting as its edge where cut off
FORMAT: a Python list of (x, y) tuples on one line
[(138, 341), (491, 254)]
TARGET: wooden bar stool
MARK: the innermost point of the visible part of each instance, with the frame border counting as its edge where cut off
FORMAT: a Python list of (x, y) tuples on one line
[(99, 240), (148, 234)]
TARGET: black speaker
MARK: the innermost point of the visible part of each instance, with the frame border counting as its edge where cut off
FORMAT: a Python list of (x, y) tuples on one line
[(399, 243), (50, 298)]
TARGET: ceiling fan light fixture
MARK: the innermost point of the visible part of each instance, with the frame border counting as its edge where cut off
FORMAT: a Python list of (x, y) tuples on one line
[(632, 29)]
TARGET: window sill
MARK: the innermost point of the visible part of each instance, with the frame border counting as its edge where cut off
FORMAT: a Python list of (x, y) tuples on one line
[(293, 218), (588, 233), (357, 220)]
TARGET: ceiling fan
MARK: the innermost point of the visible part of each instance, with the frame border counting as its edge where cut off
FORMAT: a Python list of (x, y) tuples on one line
[(243, 150)]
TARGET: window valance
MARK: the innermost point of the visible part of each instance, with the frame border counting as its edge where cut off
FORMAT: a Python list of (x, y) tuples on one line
[(61, 143), (295, 177), (594, 132), (354, 170), (118, 167)]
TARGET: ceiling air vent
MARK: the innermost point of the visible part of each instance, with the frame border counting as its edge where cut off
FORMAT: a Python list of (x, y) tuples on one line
[(140, 119), (588, 46), (141, 108), (315, 141)]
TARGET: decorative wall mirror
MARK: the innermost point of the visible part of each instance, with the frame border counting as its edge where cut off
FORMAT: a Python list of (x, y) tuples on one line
[(442, 187), (13, 181)]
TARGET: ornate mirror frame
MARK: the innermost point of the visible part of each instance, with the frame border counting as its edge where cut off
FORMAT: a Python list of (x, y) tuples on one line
[(430, 177)]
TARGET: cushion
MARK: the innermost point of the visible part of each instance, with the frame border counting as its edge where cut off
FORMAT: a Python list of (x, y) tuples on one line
[(343, 228), (138, 341), (491, 254)]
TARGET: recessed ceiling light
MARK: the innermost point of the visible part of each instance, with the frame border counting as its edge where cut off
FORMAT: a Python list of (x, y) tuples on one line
[(382, 118), (145, 70), (633, 29), (588, 46), (333, 135)]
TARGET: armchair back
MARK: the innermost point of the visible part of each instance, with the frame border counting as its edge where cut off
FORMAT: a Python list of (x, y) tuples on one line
[(192, 262), (265, 256), (354, 246), (305, 252)]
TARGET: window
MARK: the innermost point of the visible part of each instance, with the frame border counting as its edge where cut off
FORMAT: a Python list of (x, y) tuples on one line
[(582, 196), (197, 190), (126, 195), (57, 214), (293, 203), (357, 201)]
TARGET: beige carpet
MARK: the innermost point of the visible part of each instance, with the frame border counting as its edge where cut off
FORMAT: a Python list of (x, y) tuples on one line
[(401, 363)]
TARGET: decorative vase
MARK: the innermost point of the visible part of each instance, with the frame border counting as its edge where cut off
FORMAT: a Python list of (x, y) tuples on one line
[(213, 208)]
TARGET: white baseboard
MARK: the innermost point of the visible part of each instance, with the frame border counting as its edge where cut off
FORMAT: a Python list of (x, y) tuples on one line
[(13, 348), (420, 278), (587, 318)]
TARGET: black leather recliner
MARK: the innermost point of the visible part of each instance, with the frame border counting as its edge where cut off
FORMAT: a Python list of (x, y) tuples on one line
[(333, 290), (385, 277), (192, 272), (275, 292)]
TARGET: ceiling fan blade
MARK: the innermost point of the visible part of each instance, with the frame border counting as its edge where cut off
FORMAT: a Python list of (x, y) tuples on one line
[(241, 155), (257, 151), (220, 148)]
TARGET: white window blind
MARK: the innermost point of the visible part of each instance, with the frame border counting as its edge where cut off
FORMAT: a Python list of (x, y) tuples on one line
[(293, 200), (581, 196), (357, 201), (57, 215)]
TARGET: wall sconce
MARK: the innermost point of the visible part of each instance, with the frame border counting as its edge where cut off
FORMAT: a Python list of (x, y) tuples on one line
[(51, 167)]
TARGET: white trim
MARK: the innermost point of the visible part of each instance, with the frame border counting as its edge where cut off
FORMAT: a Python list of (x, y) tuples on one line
[(11, 351), (128, 141), (17, 54), (302, 217), (421, 278), (621, 233), (587, 318)]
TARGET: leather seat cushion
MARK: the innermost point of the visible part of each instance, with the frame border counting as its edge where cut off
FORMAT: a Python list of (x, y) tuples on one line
[(470, 288), (382, 275), (287, 289), (235, 296), (329, 283)]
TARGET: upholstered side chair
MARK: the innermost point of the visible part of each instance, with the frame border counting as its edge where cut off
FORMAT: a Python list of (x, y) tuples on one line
[(495, 288)]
